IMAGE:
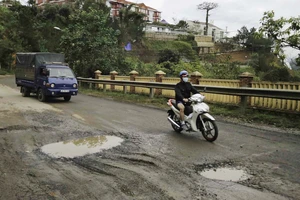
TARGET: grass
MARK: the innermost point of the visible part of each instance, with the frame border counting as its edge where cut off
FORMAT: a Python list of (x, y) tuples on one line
[(227, 112), (259, 116), (141, 99), (2, 72)]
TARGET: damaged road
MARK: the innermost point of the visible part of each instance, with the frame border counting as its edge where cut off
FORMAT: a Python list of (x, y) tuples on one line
[(145, 159)]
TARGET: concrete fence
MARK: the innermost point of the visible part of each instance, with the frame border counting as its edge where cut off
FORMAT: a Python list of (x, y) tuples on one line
[(245, 91)]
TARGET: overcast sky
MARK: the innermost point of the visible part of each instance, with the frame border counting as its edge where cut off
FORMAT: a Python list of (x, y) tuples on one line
[(232, 14)]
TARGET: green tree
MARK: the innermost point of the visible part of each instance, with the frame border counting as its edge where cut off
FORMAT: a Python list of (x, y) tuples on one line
[(284, 31), (26, 19), (182, 25), (16, 32), (8, 35), (49, 18), (268, 68), (130, 25), (251, 41), (89, 44), (298, 60)]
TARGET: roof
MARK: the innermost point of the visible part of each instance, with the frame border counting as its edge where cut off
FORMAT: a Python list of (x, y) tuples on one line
[(140, 5), (38, 53), (164, 21), (202, 23)]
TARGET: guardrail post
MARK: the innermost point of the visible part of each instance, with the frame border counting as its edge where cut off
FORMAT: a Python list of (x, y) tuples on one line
[(79, 82), (91, 85), (133, 74), (195, 77), (113, 75), (97, 76), (151, 93), (158, 78), (245, 81)]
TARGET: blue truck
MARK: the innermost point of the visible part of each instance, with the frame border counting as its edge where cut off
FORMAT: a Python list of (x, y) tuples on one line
[(45, 74)]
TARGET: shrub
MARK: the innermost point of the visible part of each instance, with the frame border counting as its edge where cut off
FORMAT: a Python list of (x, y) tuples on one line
[(168, 55), (184, 48)]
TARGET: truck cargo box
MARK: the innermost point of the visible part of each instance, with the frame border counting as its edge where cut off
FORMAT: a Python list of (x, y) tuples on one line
[(28, 63)]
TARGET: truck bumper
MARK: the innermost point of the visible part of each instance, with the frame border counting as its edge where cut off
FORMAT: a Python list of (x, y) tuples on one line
[(61, 92)]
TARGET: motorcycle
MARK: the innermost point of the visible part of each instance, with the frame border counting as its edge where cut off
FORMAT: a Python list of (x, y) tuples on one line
[(197, 117)]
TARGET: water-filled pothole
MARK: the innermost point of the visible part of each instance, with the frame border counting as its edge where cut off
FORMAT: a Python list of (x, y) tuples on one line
[(81, 147), (226, 174)]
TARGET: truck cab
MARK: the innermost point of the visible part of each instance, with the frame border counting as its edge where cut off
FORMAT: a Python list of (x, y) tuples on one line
[(56, 80)]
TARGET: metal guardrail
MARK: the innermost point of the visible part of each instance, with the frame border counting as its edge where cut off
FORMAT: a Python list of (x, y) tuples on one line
[(242, 91)]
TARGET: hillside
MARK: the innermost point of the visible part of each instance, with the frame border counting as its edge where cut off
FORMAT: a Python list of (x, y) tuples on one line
[(148, 51), (237, 56)]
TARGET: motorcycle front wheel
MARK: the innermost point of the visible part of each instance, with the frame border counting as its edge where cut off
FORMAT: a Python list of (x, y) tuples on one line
[(211, 133), (177, 120)]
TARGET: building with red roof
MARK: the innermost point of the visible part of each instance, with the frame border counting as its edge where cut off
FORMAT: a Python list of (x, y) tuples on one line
[(151, 14)]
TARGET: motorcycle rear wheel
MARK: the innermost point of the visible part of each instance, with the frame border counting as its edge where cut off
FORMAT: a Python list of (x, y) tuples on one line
[(211, 133), (177, 120)]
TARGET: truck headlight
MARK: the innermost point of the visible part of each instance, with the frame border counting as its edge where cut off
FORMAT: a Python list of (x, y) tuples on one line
[(74, 85), (52, 85)]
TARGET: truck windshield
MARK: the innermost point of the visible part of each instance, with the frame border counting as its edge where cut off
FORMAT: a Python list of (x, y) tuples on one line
[(61, 72)]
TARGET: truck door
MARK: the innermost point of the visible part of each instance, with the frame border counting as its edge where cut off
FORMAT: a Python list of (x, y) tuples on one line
[(42, 77)]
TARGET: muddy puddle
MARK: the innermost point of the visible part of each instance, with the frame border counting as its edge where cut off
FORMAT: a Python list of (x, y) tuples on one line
[(226, 174), (81, 146)]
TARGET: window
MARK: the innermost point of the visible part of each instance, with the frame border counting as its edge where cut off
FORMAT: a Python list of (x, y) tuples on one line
[(61, 72), (221, 34)]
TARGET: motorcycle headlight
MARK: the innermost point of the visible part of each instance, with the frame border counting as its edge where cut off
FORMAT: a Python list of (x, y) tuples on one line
[(74, 85), (52, 85)]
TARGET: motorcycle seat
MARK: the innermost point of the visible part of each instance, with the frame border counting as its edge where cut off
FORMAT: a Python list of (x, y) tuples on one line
[(188, 109)]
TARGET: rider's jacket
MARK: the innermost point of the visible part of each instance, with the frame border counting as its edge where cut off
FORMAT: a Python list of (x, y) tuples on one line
[(184, 90)]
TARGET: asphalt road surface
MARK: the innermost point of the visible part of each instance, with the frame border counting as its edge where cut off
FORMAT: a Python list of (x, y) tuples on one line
[(143, 158)]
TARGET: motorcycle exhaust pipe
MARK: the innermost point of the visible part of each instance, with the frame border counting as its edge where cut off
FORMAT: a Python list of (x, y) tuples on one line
[(172, 122)]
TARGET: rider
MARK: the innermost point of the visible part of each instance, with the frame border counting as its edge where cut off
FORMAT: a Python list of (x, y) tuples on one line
[(183, 91)]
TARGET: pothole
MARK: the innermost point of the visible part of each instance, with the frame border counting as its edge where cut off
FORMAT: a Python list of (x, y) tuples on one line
[(226, 174), (81, 147)]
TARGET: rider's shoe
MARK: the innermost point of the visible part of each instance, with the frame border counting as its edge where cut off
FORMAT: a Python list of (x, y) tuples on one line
[(184, 127)]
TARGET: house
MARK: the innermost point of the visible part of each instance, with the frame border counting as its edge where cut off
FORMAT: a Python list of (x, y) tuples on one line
[(197, 27), (41, 3), (152, 15), (6, 3)]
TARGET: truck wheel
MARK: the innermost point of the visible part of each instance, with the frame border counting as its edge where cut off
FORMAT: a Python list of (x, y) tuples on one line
[(67, 98), (25, 91), (41, 96)]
